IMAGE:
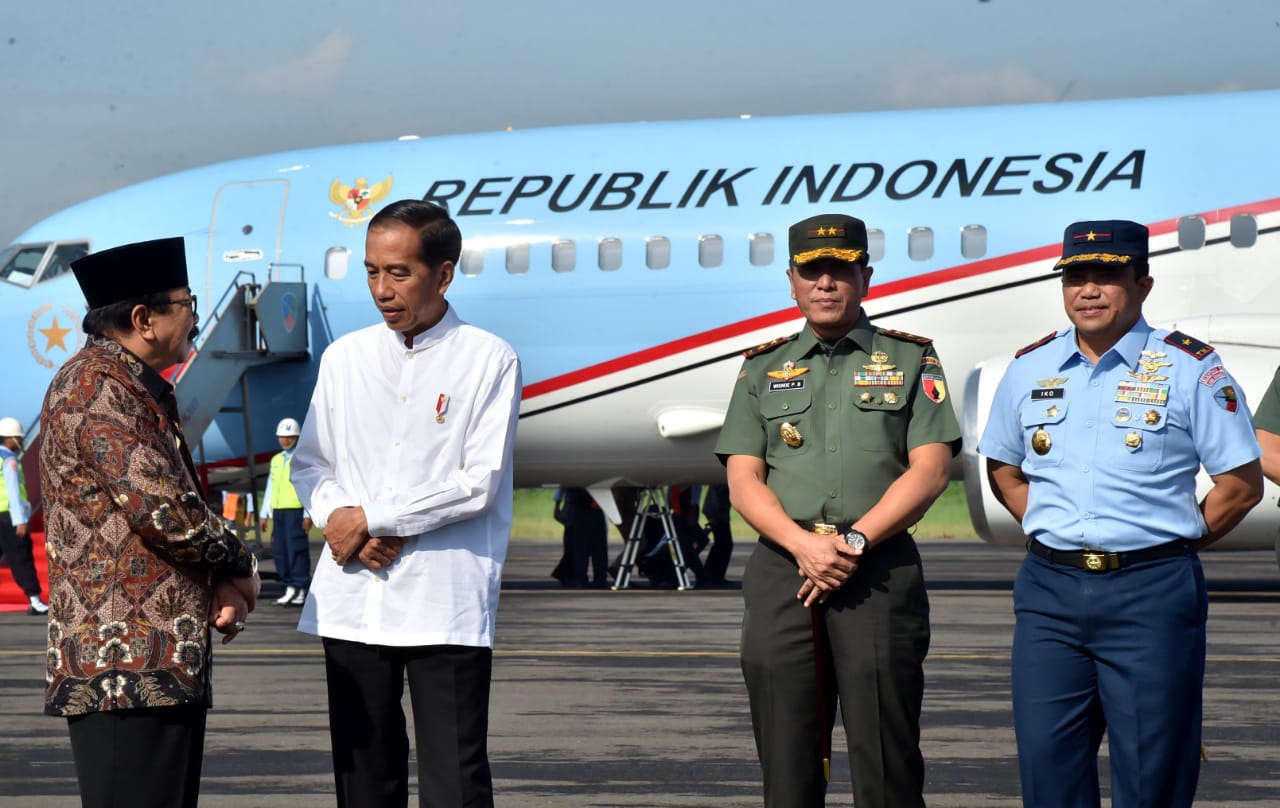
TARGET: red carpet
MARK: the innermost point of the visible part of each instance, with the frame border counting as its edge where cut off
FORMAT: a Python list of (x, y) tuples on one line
[(12, 598)]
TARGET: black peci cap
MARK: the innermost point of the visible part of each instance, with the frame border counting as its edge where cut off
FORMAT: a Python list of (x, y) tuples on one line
[(131, 271)]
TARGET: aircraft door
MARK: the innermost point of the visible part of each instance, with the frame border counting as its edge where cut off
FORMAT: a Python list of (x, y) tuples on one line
[(245, 233)]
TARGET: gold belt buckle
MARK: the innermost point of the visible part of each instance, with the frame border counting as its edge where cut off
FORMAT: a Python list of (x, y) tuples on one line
[(824, 529), (1094, 562)]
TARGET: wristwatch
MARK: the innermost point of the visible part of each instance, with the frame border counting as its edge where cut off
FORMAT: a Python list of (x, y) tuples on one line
[(856, 539)]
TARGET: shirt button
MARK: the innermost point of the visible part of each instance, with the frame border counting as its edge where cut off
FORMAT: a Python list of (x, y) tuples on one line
[(397, 443), (831, 406), (834, 372), (1085, 469), (388, 489), (404, 398), (1093, 383), (831, 448), (832, 494), (1086, 515), (408, 354), (786, 406)]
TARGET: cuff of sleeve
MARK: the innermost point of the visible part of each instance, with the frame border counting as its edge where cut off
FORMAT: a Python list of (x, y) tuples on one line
[(999, 454), (242, 564), (380, 518)]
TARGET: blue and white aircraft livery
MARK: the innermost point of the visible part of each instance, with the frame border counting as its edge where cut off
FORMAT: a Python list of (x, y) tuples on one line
[(630, 265)]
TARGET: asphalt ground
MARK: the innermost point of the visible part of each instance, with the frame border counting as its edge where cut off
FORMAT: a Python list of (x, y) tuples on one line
[(634, 698)]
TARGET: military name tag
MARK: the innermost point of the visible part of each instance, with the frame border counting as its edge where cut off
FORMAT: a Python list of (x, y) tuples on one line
[(1143, 393), (1054, 392), (791, 384)]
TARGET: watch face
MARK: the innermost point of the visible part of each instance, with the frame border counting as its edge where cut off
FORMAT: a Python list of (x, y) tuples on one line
[(855, 540)]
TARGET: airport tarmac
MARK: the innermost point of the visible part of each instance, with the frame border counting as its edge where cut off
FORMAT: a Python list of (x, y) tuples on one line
[(634, 698)]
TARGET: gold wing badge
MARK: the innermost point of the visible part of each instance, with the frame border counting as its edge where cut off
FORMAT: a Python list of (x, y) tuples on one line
[(357, 200)]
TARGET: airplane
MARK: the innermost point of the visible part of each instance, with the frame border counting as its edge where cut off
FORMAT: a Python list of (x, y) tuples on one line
[(631, 264)]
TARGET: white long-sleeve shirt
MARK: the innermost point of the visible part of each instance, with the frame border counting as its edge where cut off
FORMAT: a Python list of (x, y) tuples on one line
[(422, 439)]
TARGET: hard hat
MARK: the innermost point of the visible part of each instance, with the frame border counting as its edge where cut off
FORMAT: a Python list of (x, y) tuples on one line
[(10, 428), (288, 428)]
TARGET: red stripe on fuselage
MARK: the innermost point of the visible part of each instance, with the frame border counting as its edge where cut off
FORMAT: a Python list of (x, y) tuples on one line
[(941, 276)]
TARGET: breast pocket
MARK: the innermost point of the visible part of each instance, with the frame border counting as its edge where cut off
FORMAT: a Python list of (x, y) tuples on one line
[(882, 420), (1137, 439), (788, 421), (1043, 425)]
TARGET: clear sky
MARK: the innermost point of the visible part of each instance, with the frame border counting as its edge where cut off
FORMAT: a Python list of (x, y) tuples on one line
[(98, 95)]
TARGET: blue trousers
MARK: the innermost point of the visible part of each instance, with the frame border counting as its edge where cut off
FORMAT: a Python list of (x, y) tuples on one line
[(291, 548), (1120, 652)]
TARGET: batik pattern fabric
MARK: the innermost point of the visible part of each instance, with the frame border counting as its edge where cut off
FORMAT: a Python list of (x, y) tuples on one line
[(134, 549)]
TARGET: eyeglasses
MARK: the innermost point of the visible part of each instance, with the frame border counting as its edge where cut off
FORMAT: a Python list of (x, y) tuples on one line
[(185, 301)]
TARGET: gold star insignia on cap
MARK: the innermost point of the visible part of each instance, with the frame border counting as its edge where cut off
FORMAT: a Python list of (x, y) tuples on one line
[(1090, 236)]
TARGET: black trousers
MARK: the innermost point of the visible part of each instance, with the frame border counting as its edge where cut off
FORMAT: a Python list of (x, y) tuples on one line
[(146, 758), (717, 563), (449, 690), (18, 550)]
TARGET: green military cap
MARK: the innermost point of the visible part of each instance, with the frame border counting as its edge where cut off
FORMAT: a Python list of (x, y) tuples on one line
[(829, 235)]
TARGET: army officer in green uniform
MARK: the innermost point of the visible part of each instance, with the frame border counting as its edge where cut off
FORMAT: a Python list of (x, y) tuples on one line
[(1266, 421), (836, 441)]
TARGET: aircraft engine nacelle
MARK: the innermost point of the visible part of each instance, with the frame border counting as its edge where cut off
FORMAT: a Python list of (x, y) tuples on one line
[(1249, 346)]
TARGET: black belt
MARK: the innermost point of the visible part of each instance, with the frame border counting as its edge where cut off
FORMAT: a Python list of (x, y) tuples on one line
[(841, 528), (1100, 561)]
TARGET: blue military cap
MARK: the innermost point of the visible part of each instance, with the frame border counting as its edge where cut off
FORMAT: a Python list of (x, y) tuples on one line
[(1115, 243)]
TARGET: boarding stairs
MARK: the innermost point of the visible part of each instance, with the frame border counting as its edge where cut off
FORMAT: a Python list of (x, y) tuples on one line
[(253, 324)]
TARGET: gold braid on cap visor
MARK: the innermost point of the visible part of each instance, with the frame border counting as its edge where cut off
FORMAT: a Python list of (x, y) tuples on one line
[(1101, 258), (852, 256)]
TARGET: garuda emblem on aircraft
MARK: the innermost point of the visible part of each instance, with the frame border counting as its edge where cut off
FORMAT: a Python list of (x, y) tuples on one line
[(357, 201)]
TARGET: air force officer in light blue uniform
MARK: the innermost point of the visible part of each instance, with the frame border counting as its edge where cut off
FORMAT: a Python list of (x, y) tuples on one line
[(1093, 444)]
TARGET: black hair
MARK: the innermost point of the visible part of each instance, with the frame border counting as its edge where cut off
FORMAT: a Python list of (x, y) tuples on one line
[(117, 317), (440, 239)]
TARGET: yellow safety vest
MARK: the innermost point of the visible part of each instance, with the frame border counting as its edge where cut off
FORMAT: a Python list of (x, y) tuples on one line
[(283, 494), (22, 484)]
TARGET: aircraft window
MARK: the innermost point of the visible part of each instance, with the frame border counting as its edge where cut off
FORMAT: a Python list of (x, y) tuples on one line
[(610, 254), (973, 241), (564, 256), (920, 243), (760, 249), (710, 251), (60, 261), (875, 245), (657, 252), (472, 262), (518, 259), (337, 260), (1244, 230), (1190, 233), (21, 263)]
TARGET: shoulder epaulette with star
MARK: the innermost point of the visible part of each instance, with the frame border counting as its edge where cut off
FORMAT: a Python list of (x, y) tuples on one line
[(1029, 348), (766, 347), (904, 336), (1189, 344)]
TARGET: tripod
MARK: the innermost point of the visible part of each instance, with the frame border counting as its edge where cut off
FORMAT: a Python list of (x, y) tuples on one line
[(652, 505)]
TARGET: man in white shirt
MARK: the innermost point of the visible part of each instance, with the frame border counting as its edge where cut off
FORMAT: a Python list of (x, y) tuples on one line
[(405, 462)]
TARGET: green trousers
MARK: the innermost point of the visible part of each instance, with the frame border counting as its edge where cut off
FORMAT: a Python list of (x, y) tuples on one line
[(872, 639)]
